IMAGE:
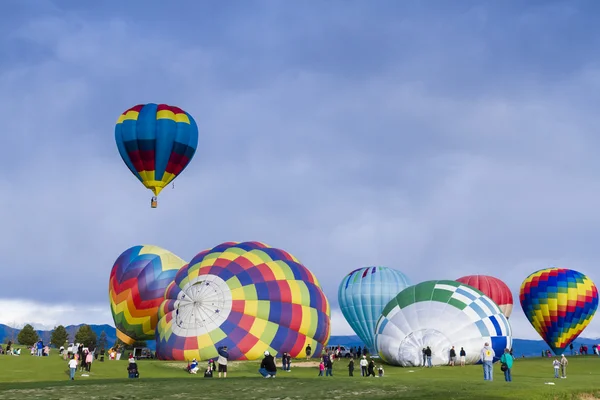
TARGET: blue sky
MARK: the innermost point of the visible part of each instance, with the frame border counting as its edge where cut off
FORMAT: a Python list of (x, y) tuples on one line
[(438, 138)]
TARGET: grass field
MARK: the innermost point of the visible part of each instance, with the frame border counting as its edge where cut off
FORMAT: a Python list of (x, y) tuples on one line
[(28, 377)]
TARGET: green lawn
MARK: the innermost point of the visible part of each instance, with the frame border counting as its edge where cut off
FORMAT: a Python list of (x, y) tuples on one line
[(28, 377)]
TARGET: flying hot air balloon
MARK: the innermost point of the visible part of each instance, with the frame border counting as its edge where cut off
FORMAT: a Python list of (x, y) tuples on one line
[(363, 293), (492, 287), (560, 303), (156, 142), (247, 296), (440, 315)]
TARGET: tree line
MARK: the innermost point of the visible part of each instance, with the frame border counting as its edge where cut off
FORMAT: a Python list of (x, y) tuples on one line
[(60, 337)]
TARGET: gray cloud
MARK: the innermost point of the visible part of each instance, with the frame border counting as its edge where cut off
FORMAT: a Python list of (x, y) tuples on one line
[(417, 139)]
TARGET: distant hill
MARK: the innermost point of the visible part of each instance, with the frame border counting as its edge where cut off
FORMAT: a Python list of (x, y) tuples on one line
[(7, 333)]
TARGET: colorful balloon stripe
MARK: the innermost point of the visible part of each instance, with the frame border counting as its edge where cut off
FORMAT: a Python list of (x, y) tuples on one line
[(560, 303)]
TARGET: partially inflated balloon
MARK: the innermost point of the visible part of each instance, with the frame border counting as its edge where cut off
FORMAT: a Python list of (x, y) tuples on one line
[(440, 314), (247, 296), (559, 303), (156, 142), (492, 287), (136, 289), (363, 294)]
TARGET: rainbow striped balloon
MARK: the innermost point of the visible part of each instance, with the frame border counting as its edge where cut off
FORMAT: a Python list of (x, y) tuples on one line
[(247, 296), (559, 303), (136, 289)]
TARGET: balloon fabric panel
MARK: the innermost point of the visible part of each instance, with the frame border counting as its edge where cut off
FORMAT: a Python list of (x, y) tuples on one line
[(560, 303), (156, 142)]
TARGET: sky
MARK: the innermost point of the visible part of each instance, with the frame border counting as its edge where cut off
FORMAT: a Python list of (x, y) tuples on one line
[(438, 138)]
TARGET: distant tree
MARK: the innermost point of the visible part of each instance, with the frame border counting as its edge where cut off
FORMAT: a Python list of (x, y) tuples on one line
[(28, 336), (86, 335), (102, 341), (59, 336)]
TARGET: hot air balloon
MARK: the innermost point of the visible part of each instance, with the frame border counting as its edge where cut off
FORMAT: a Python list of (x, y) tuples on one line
[(492, 287), (136, 289), (156, 142), (559, 303), (363, 294), (247, 296), (440, 314)]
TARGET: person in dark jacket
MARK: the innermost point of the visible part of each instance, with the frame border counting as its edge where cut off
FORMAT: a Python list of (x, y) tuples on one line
[(371, 368), (222, 360), (351, 367), (452, 356), (288, 357), (132, 369), (428, 355), (284, 361), (308, 351), (268, 369)]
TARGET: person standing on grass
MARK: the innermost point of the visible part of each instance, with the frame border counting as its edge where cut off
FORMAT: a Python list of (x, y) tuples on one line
[(428, 356), (88, 361), (487, 358), (452, 356), (463, 356), (351, 367), (371, 368), (507, 364), (556, 365), (321, 368), (222, 361), (288, 357), (563, 366), (284, 361), (72, 367), (363, 366), (308, 351)]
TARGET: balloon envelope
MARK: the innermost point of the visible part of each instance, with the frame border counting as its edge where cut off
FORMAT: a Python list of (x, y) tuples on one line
[(559, 303), (363, 294), (247, 296), (492, 287), (136, 289), (440, 314), (156, 142)]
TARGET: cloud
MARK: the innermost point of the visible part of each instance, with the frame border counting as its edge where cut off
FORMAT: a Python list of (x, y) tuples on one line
[(17, 313), (438, 149)]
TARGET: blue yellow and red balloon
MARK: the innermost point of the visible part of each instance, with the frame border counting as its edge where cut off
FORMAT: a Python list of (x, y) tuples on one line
[(560, 303), (136, 289), (247, 296), (156, 142)]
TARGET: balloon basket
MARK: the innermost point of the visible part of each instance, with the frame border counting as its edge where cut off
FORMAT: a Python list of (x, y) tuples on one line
[(154, 204)]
